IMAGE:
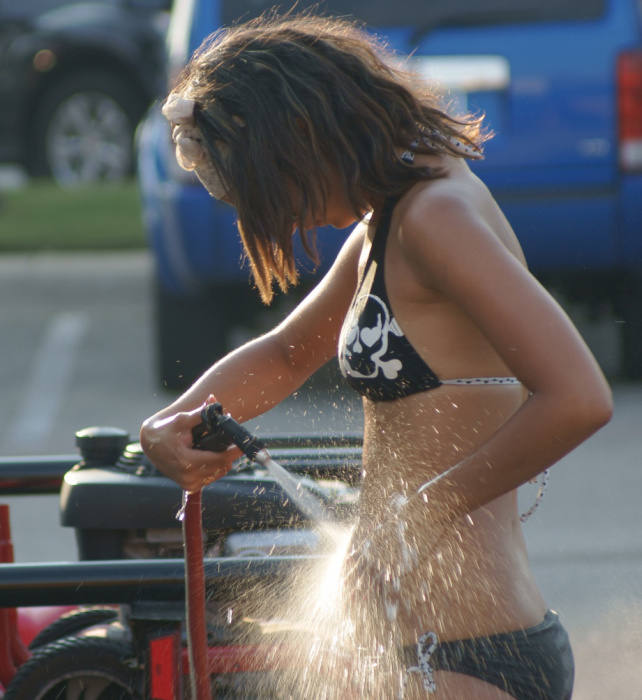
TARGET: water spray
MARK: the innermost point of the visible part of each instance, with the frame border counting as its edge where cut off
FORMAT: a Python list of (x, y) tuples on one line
[(217, 432)]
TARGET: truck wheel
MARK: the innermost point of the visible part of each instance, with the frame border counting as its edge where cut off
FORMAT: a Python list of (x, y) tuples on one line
[(76, 667), (629, 308), (191, 336), (192, 333), (72, 623), (83, 130)]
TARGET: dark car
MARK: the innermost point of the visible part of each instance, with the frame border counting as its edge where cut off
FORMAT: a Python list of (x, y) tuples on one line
[(75, 80)]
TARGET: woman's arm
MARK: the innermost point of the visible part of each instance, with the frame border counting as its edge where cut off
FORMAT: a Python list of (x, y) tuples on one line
[(461, 257), (256, 377)]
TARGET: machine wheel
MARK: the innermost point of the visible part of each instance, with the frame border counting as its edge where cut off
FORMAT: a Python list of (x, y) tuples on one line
[(72, 623), (76, 668), (84, 128)]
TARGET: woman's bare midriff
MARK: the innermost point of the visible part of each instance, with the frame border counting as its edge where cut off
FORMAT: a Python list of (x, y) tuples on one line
[(473, 577)]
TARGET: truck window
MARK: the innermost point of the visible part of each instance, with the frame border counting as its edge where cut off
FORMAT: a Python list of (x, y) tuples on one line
[(425, 15)]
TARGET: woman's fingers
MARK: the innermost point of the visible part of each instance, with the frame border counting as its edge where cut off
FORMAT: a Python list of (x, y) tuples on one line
[(194, 469), (372, 570), (168, 443)]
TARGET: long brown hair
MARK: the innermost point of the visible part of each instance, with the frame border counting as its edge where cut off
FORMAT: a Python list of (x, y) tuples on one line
[(302, 100)]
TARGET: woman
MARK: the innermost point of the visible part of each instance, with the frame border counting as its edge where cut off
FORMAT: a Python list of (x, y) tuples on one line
[(474, 381)]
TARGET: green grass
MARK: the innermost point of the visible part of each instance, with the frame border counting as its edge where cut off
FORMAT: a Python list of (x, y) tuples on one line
[(41, 216)]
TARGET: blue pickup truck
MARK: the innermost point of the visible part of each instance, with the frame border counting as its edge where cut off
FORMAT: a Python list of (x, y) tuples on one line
[(560, 83)]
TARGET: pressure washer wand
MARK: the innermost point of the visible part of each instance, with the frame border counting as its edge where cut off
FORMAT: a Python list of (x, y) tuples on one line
[(219, 430)]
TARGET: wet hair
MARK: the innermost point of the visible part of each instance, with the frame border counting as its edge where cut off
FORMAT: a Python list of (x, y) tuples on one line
[(305, 103)]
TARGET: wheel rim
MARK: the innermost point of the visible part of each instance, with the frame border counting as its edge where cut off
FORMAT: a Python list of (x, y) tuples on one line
[(87, 686), (89, 140)]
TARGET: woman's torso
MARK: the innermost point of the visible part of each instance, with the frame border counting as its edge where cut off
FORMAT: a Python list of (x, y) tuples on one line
[(477, 581)]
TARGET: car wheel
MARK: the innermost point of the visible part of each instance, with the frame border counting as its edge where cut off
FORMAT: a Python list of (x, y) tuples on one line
[(76, 667), (83, 131), (72, 623)]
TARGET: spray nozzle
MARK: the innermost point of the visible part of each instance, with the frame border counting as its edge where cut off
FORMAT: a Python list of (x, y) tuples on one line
[(218, 430)]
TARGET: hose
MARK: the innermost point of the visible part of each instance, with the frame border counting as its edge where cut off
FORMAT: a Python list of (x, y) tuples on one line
[(195, 597)]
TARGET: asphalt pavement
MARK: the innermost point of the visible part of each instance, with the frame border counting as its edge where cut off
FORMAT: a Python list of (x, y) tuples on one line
[(77, 350)]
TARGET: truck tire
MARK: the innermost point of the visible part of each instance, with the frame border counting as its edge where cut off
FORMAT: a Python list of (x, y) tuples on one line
[(76, 667), (629, 309), (194, 331), (191, 336), (83, 130)]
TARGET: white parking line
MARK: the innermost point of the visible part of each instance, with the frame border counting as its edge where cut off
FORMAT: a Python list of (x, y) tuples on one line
[(48, 381)]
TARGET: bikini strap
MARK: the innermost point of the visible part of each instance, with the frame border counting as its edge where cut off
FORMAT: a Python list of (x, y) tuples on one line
[(543, 485), (381, 232), (482, 381), (425, 649)]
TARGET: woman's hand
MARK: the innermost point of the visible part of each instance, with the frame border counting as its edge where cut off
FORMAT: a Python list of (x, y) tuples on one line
[(168, 443), (387, 559), (378, 565)]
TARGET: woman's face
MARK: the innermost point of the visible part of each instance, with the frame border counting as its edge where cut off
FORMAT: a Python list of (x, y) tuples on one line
[(337, 214)]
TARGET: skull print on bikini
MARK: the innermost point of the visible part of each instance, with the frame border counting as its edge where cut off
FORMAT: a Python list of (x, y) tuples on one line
[(375, 357)]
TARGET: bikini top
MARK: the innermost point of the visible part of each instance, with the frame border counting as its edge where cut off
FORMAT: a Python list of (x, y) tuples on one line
[(375, 357)]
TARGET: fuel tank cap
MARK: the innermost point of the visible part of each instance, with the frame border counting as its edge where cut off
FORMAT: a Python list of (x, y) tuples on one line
[(101, 445)]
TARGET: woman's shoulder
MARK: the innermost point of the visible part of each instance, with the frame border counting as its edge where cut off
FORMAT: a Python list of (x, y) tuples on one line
[(457, 186), (445, 216), (449, 202)]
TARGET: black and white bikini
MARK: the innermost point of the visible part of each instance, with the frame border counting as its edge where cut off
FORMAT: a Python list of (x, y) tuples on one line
[(375, 357), (379, 362)]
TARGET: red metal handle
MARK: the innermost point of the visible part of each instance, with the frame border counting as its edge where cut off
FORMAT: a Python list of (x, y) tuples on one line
[(13, 652)]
